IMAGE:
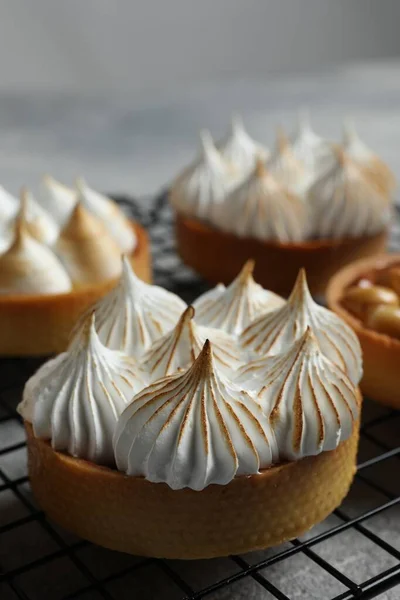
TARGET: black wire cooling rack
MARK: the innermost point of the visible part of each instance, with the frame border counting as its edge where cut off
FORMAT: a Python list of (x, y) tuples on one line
[(354, 554)]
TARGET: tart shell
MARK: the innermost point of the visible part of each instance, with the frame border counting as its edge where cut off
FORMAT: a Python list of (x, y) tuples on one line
[(41, 324), (219, 256), (381, 353), (133, 515)]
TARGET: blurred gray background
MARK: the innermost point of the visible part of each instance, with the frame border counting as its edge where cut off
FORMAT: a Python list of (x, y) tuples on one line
[(139, 45), (116, 90)]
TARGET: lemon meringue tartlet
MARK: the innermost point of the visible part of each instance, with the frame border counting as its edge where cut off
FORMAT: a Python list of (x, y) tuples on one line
[(310, 204), (54, 265), (366, 295), (215, 438)]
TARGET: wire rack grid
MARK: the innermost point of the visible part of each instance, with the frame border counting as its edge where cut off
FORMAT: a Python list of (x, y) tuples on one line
[(354, 554)]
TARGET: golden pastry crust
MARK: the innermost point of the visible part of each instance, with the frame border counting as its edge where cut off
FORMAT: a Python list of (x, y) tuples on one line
[(381, 353), (218, 256), (41, 325), (133, 515)]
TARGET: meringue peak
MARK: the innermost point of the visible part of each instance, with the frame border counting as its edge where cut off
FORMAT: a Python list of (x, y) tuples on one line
[(260, 169), (76, 398), (247, 271), (274, 332), (350, 134), (85, 335), (233, 308), (193, 429), (209, 151), (282, 140), (134, 314), (204, 361), (178, 348), (29, 267), (82, 224), (310, 402)]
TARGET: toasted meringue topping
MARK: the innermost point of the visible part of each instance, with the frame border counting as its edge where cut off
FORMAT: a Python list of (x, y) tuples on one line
[(310, 402), (75, 399), (263, 208), (345, 204), (193, 429), (9, 205), (239, 149), (284, 165), (232, 308), (57, 199), (87, 250), (110, 214), (178, 348), (309, 148), (39, 223), (376, 170), (28, 267), (275, 332), (134, 314), (202, 187)]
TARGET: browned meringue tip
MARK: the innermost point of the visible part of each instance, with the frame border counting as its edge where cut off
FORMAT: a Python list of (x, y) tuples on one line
[(204, 360), (300, 288), (247, 270), (186, 316), (82, 332), (260, 168), (340, 153), (282, 141), (21, 221)]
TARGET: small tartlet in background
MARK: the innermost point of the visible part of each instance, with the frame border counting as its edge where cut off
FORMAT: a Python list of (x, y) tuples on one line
[(381, 351)]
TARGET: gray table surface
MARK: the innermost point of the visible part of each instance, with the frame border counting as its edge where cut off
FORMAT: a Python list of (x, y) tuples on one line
[(135, 146)]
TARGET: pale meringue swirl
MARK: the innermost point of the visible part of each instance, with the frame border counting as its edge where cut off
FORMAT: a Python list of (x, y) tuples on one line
[(193, 429), (75, 399), (202, 187), (134, 314), (179, 347), (275, 332), (310, 402), (233, 308)]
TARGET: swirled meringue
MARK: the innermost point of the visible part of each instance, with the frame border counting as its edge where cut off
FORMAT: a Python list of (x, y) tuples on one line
[(376, 170), (39, 223), (309, 401), (262, 208), (233, 308), (75, 399), (110, 214), (193, 429), (134, 314), (9, 205), (275, 332), (202, 187), (29, 267), (284, 165), (239, 149), (86, 249), (309, 148), (178, 348), (57, 199), (345, 204)]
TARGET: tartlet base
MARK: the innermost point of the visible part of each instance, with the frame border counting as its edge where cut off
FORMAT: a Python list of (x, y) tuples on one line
[(41, 325), (381, 353), (133, 515), (218, 256)]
